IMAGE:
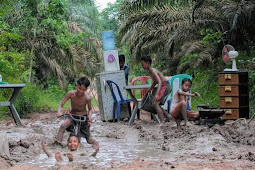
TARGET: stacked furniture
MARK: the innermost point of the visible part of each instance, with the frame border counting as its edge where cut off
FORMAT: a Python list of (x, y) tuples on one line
[(234, 94)]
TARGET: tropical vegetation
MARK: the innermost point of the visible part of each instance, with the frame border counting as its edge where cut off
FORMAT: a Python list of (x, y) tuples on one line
[(48, 44)]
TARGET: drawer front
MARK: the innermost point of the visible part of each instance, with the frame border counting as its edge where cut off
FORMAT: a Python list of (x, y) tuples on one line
[(229, 91), (228, 79), (229, 102), (231, 114)]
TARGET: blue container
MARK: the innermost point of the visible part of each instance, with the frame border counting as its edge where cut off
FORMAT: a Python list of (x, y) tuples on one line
[(108, 40)]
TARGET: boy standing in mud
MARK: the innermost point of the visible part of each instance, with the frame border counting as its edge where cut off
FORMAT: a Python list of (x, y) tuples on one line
[(180, 102), (163, 89), (79, 100)]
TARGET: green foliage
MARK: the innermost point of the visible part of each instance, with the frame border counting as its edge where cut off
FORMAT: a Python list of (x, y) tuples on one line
[(186, 60), (57, 8), (13, 65), (3, 110), (137, 70), (33, 98), (28, 100), (110, 16), (207, 88), (12, 60), (210, 37)]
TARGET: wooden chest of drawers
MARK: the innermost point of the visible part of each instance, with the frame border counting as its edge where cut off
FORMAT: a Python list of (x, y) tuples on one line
[(234, 94)]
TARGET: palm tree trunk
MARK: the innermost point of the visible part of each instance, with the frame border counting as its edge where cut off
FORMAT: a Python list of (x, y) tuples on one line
[(239, 10), (32, 53)]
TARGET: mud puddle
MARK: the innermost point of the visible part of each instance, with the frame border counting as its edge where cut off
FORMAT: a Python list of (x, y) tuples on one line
[(110, 150), (143, 144), (116, 144)]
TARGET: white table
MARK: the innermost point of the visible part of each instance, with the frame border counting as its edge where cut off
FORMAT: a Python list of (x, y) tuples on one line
[(134, 112)]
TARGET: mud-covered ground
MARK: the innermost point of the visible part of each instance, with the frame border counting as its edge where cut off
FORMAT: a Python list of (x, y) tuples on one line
[(143, 145)]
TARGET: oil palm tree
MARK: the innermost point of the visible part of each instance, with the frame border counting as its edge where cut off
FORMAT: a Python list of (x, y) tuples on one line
[(177, 29), (57, 53)]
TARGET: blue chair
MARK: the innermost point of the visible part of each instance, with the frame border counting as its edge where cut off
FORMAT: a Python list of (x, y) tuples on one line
[(117, 100), (176, 82)]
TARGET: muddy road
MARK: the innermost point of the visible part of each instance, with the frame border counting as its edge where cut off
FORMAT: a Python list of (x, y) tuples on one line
[(144, 145)]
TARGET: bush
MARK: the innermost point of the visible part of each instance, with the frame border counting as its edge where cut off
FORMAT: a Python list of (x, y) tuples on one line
[(28, 99), (205, 84)]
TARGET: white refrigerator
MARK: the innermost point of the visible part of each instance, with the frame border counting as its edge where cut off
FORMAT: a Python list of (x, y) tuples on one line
[(105, 98)]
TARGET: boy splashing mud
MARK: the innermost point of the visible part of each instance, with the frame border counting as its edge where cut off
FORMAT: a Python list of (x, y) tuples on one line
[(79, 100), (163, 89), (180, 102)]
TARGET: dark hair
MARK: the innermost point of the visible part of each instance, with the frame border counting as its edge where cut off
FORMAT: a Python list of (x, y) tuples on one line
[(122, 58), (73, 135), (186, 79), (84, 81), (146, 59)]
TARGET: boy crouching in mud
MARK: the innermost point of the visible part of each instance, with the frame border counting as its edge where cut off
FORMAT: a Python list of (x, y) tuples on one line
[(180, 102), (79, 100)]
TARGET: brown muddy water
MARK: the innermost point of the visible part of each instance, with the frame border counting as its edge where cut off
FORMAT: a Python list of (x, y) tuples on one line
[(225, 147)]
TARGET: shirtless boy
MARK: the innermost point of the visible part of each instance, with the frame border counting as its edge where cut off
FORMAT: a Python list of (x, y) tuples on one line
[(179, 103), (163, 89), (79, 101)]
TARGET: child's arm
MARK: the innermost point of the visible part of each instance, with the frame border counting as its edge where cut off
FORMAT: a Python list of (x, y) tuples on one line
[(156, 98), (152, 86), (59, 112), (180, 92), (89, 109), (44, 147)]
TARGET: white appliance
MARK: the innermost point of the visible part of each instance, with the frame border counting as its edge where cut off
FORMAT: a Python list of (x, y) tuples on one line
[(111, 60), (105, 98), (229, 54)]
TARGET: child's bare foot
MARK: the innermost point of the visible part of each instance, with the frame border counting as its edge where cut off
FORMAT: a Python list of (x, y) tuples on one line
[(187, 124), (95, 146), (70, 157), (58, 157), (178, 123)]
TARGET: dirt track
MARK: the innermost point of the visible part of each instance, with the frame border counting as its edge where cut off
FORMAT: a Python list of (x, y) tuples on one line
[(144, 145)]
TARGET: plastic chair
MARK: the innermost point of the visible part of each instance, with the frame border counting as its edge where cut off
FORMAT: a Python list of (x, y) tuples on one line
[(176, 82), (117, 100)]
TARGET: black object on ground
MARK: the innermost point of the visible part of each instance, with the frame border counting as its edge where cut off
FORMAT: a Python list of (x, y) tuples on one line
[(209, 112), (210, 122), (210, 115)]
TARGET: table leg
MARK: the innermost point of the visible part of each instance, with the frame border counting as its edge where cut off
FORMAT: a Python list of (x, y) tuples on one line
[(155, 117), (131, 120), (15, 94), (14, 112), (15, 115)]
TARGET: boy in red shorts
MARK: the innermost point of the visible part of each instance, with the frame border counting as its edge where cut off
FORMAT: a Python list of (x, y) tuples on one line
[(163, 89)]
